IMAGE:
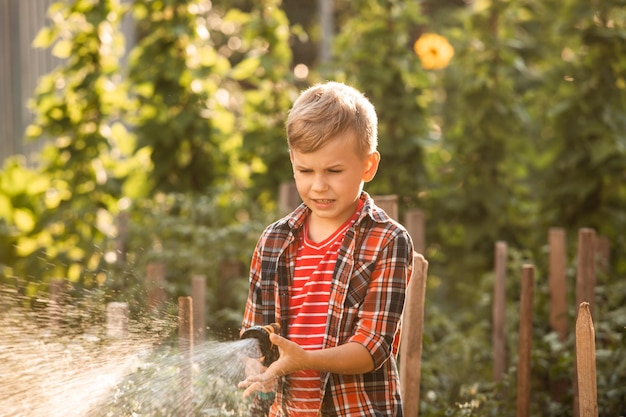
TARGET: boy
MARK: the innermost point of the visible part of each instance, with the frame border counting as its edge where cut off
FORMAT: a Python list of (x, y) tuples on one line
[(333, 273)]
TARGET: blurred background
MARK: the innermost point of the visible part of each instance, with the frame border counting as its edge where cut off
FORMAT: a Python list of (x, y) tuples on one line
[(142, 143)]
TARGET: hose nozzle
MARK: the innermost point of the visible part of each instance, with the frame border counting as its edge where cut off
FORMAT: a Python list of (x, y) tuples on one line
[(262, 333)]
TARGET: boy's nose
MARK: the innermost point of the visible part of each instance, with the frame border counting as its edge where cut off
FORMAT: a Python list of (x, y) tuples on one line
[(319, 183)]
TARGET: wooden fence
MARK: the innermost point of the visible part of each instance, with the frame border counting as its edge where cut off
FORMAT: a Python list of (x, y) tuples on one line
[(591, 251)]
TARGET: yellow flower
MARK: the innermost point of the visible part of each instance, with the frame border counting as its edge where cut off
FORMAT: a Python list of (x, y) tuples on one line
[(433, 50)]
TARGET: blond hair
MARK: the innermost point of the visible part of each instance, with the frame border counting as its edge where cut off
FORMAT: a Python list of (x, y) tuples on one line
[(326, 110)]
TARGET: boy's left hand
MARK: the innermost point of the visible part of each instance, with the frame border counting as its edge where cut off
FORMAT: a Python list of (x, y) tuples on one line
[(292, 358)]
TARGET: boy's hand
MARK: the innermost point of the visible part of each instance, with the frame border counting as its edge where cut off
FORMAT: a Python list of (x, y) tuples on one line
[(292, 358), (253, 368)]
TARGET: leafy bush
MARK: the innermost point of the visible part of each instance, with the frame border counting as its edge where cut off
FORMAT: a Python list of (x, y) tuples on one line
[(194, 234)]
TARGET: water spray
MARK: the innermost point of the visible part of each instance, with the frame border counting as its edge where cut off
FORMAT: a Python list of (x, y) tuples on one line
[(269, 351)]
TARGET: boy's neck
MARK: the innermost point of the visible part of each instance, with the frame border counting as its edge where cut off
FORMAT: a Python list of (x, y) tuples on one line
[(319, 229)]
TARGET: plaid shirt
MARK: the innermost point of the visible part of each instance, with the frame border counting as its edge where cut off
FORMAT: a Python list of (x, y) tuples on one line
[(365, 306)]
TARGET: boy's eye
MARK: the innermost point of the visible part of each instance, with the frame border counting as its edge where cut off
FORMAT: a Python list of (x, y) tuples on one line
[(330, 171)]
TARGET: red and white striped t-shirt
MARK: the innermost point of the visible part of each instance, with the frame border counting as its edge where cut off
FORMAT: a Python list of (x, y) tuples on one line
[(308, 313)]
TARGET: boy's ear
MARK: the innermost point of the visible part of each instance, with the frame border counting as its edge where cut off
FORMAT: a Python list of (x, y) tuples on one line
[(371, 166)]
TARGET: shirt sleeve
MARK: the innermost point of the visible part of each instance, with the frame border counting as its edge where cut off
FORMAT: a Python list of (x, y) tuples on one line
[(252, 313), (379, 317)]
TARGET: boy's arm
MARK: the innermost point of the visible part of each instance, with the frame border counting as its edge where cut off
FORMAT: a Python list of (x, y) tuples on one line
[(349, 358), (380, 311)]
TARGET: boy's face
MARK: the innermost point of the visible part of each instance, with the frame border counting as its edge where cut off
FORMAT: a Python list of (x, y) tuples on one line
[(330, 179)]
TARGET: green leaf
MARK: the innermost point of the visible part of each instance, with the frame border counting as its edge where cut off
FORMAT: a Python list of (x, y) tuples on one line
[(24, 220), (236, 16), (6, 207), (44, 38), (62, 49), (245, 69)]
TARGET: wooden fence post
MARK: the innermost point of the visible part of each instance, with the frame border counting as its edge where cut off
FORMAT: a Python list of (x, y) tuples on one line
[(414, 222), (557, 282), (56, 299), (499, 300), (185, 347), (121, 241), (389, 203), (288, 197), (117, 320), (586, 268), (525, 341), (411, 338), (586, 363), (155, 281), (198, 295), (603, 253), (585, 287)]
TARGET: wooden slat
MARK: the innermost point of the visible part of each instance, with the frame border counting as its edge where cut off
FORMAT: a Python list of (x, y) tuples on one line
[(7, 113), (21, 68), (34, 63), (525, 341), (389, 203), (412, 335), (499, 310), (557, 282), (586, 363)]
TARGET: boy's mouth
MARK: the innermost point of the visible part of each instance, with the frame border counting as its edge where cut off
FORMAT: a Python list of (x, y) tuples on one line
[(319, 201)]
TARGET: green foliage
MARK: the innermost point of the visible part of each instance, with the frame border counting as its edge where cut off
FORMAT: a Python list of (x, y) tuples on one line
[(211, 110), (524, 146), (180, 116), (194, 234), (373, 52), (186, 114), (24, 198), (268, 93), (77, 106), (479, 171), (587, 145)]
